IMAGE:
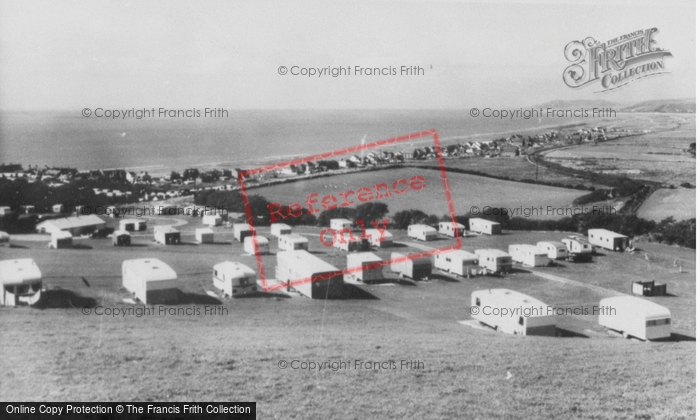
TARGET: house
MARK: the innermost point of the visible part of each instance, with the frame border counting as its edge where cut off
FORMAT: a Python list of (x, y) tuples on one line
[(554, 250), (278, 229), (346, 241), (20, 281), (61, 239), (648, 288), (484, 226), (635, 317), (234, 278), (166, 235), (241, 231), (379, 239), (578, 249), (4, 239), (212, 220), (76, 226), (309, 275), (340, 224), (27, 209), (410, 267), (608, 240), (459, 262), (121, 238), (529, 255), (494, 260), (292, 242), (539, 322), (363, 267), (58, 208), (453, 230), (422, 232), (249, 244), (151, 280), (510, 151), (204, 235), (132, 225)]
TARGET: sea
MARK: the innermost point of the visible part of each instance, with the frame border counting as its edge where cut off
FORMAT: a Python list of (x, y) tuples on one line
[(244, 139)]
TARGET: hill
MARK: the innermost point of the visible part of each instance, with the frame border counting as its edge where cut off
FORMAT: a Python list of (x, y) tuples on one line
[(579, 103), (664, 105)]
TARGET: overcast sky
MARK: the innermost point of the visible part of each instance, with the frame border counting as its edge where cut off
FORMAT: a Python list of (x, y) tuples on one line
[(187, 54)]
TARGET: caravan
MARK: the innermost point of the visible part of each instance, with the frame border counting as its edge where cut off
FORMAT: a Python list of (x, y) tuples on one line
[(494, 260), (491, 307), (20, 281), (412, 268), (529, 255), (364, 267), (234, 278), (309, 275), (635, 317), (458, 262), (279, 229), (422, 232), (241, 231), (608, 240), (151, 280), (578, 249), (554, 250), (453, 230)]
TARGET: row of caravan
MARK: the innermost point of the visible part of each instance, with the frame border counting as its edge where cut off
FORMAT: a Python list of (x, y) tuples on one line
[(154, 282), (453, 229), (512, 312)]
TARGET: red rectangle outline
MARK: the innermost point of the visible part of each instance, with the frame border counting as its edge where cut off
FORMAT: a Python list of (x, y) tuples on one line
[(321, 156)]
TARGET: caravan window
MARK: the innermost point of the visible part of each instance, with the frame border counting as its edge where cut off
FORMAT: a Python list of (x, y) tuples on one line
[(653, 322), (521, 321), (478, 302)]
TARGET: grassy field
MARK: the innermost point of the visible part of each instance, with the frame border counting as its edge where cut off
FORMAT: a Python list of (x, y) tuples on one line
[(57, 353), (467, 191), (679, 203), (656, 156)]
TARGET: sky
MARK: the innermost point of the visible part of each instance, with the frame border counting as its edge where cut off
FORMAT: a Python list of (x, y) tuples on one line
[(183, 54)]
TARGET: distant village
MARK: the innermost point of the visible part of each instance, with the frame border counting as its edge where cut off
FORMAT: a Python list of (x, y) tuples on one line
[(119, 186)]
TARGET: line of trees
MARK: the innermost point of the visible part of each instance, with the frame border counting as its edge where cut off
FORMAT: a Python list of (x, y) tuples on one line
[(667, 231)]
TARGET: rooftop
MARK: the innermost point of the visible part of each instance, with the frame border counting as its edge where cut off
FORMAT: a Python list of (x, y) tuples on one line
[(73, 222)]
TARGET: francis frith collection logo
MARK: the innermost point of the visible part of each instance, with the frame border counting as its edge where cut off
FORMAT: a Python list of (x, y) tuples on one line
[(615, 63)]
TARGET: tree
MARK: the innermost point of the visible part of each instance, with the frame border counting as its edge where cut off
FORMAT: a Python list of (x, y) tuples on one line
[(404, 218), (370, 212)]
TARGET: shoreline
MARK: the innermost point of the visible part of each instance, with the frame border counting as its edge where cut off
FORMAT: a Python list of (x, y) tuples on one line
[(164, 169)]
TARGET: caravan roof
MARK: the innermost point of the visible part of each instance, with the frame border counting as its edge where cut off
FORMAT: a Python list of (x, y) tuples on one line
[(361, 257), (558, 245), (295, 237), (234, 268), (493, 252), (74, 222), (460, 253), (19, 271), (63, 234), (308, 263), (151, 269), (164, 229), (606, 232), (635, 305), (512, 297)]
